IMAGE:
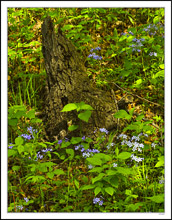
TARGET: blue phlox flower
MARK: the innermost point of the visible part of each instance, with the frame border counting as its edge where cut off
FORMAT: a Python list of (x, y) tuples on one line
[(97, 200), (83, 149), (77, 147), (104, 130), (137, 159), (115, 165), (11, 146), (26, 199), (90, 55), (92, 50), (90, 166), (26, 136), (19, 207), (86, 154), (59, 142), (97, 48), (83, 138), (130, 33), (129, 143), (95, 151), (153, 145)]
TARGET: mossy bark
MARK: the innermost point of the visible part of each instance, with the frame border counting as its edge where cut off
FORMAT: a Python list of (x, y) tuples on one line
[(67, 82)]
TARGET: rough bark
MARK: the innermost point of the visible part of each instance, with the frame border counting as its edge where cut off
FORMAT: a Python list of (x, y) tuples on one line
[(67, 82)]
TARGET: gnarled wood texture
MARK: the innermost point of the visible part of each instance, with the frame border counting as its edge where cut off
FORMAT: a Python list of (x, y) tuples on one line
[(67, 82)]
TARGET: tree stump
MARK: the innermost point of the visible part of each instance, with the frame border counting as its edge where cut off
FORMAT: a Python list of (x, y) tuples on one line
[(67, 82)]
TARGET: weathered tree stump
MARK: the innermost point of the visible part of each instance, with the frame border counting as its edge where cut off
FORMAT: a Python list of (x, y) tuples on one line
[(67, 82)]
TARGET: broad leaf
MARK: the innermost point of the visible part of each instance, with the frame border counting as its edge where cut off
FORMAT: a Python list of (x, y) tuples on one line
[(109, 190), (85, 115), (69, 107), (124, 155)]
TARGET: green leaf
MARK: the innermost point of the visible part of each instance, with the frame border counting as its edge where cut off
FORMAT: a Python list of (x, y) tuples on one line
[(97, 190), (31, 114), (131, 111), (117, 151), (16, 168), (76, 140), (114, 181), (138, 83), (59, 172), (71, 152), (87, 187), (111, 172), (109, 190), (76, 184), (94, 161), (11, 152), (158, 74), (67, 27), (69, 107), (73, 127), (83, 106), (50, 175), (132, 21), (85, 115), (124, 171), (19, 141), (96, 170), (65, 144), (12, 122), (140, 117), (159, 164), (161, 66), (157, 199), (20, 149), (122, 114), (102, 156), (156, 19), (97, 178), (124, 155)]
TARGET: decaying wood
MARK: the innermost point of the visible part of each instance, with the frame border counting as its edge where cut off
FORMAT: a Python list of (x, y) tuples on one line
[(67, 82)]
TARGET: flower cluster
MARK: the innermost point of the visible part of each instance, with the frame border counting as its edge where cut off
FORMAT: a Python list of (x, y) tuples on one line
[(19, 207), (31, 131), (86, 153), (39, 155), (137, 159), (151, 29), (132, 142), (26, 199), (153, 54), (137, 45), (97, 200), (26, 136), (127, 34), (104, 130), (110, 145), (93, 55)]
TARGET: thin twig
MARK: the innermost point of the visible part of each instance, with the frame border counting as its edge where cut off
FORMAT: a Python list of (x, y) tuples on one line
[(135, 95)]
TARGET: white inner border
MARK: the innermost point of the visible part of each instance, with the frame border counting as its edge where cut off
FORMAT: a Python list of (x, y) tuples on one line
[(4, 109)]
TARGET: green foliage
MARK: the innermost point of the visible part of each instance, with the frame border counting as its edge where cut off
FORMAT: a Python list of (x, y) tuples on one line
[(67, 175)]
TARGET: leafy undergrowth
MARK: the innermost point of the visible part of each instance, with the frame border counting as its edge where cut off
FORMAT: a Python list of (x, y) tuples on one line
[(120, 171)]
